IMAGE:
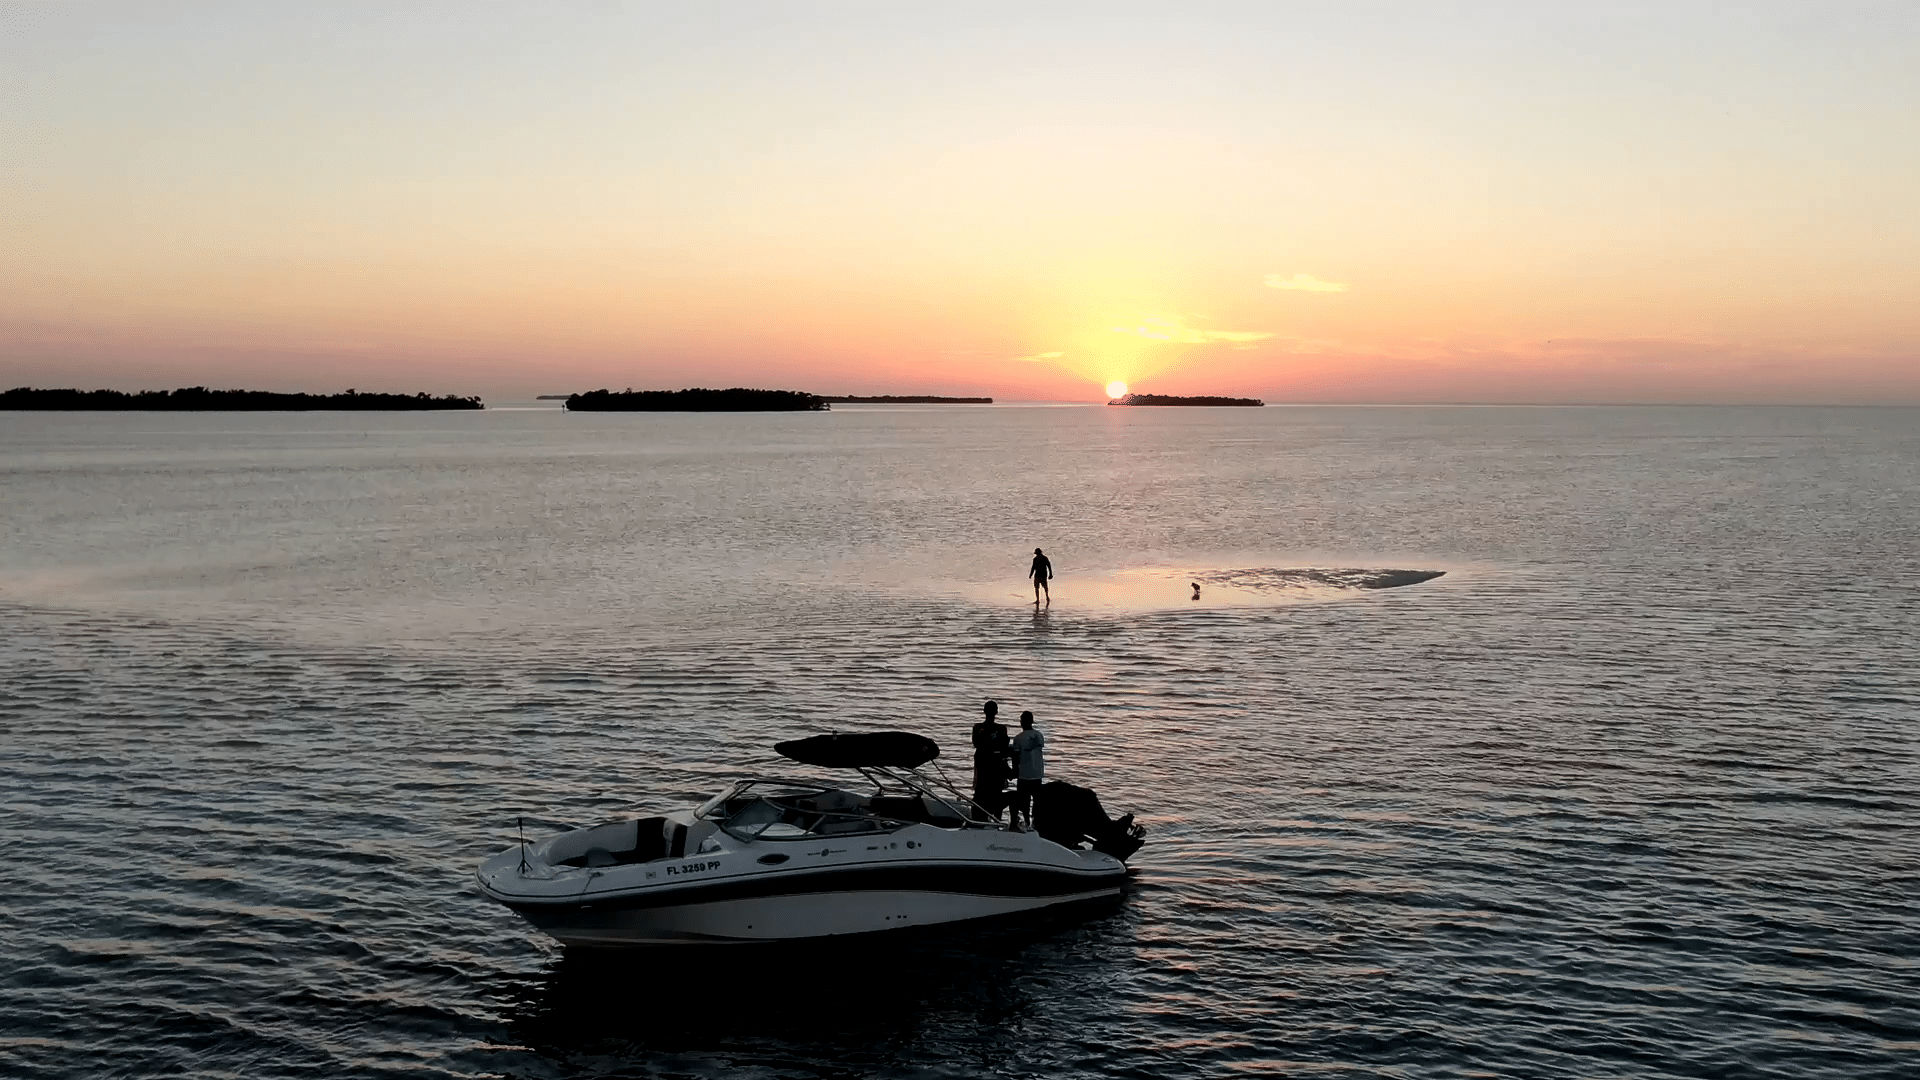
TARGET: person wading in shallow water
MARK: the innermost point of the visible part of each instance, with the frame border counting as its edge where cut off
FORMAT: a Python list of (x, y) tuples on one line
[(1041, 570), (990, 761), (1030, 765)]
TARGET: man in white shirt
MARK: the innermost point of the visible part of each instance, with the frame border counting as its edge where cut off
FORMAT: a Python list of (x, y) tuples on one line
[(1030, 767)]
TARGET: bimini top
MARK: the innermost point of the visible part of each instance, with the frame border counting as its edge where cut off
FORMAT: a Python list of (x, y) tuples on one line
[(857, 750)]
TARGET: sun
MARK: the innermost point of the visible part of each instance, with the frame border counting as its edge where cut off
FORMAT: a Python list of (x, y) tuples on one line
[(1116, 389)]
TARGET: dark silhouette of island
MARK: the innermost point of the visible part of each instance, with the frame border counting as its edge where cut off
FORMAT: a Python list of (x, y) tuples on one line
[(1170, 399), (737, 399), (552, 397), (910, 399), (201, 399)]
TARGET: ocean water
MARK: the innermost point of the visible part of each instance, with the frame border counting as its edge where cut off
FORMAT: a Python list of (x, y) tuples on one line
[(1629, 789)]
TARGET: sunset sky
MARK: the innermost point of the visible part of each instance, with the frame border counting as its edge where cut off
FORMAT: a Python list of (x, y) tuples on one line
[(1303, 202)]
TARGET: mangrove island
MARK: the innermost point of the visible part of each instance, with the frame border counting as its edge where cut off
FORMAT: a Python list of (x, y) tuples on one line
[(737, 399), (910, 399), (1170, 399), (201, 399)]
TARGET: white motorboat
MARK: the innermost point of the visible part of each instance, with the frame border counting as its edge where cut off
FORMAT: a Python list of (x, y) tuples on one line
[(772, 859)]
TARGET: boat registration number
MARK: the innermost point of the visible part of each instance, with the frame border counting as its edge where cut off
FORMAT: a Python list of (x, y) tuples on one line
[(693, 867)]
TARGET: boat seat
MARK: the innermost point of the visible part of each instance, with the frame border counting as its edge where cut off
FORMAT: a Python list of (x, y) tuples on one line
[(935, 812), (697, 834), (828, 802), (898, 807), (614, 840), (836, 825)]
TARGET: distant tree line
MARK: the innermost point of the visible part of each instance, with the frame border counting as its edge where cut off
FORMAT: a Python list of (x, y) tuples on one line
[(737, 399), (201, 399), (911, 399), (1170, 399)]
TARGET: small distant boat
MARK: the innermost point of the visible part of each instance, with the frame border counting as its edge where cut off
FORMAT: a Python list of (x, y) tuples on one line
[(774, 859)]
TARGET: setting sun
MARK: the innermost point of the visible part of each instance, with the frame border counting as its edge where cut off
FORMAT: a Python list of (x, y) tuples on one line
[(1116, 388)]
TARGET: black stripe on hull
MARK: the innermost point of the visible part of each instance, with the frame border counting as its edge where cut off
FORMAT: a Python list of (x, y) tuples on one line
[(1008, 881)]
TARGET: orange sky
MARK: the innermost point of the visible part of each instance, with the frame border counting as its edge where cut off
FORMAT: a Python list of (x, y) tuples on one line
[(1400, 204)]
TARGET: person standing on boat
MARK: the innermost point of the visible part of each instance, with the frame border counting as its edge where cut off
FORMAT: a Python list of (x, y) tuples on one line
[(1030, 766), (990, 749), (1040, 571)]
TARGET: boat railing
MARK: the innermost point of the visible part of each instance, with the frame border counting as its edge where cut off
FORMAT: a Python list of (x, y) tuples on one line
[(932, 781), (899, 798)]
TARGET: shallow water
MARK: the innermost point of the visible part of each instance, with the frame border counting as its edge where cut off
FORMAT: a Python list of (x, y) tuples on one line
[(1628, 791)]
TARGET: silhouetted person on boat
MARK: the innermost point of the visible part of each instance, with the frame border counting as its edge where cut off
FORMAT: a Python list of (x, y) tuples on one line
[(1041, 570), (1030, 765), (990, 760)]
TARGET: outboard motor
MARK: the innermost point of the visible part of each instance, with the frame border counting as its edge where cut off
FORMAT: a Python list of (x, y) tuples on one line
[(1069, 815)]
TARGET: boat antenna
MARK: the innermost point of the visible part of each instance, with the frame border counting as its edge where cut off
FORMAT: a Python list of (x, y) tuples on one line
[(522, 819)]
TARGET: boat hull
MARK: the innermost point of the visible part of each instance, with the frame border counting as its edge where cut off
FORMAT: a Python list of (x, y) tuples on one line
[(807, 861), (784, 918), (736, 897)]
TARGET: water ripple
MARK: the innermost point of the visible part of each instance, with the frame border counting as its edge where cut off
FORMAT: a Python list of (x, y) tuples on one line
[(1605, 800)]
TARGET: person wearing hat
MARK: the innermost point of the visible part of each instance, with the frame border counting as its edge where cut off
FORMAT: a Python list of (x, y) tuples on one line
[(1041, 570)]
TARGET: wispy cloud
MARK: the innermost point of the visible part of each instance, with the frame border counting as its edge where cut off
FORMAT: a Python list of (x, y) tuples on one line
[(1039, 356), (1174, 329), (1303, 283)]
